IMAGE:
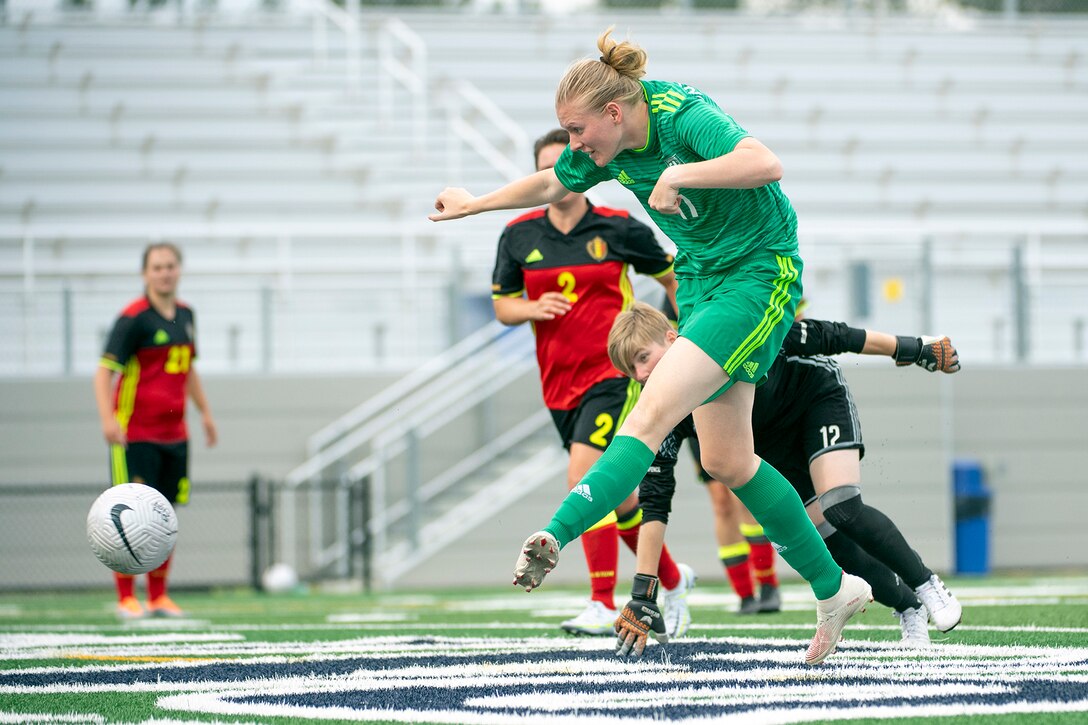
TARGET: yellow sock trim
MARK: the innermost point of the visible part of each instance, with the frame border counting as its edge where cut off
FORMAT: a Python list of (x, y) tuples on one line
[(631, 522), (728, 552), (751, 531), (609, 519)]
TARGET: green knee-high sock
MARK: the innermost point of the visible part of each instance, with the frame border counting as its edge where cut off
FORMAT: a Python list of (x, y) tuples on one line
[(615, 474), (778, 508)]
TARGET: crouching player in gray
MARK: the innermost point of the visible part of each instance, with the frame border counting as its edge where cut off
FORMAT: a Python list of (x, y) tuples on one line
[(805, 424)]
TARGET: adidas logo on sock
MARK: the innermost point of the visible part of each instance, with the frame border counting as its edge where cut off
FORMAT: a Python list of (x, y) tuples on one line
[(582, 490)]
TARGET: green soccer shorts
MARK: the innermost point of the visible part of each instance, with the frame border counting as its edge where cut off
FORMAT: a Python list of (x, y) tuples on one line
[(740, 318)]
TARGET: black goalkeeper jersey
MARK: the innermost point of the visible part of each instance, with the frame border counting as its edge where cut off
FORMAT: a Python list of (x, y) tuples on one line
[(789, 390)]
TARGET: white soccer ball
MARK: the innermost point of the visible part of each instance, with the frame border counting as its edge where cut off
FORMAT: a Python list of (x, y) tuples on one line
[(132, 528), (279, 578)]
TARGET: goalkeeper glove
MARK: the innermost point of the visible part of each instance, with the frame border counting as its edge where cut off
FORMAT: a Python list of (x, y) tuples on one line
[(931, 353), (640, 618)]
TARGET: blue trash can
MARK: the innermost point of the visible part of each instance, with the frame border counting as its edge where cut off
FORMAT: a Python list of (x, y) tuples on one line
[(972, 501)]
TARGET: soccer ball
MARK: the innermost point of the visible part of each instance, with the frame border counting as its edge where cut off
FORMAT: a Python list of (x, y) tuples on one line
[(132, 528), (279, 578)]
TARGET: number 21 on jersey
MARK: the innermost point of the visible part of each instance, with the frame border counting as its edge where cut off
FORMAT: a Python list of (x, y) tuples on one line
[(178, 358)]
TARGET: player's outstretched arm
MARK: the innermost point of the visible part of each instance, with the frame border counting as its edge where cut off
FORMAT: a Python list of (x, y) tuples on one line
[(821, 337), (543, 187), (930, 352)]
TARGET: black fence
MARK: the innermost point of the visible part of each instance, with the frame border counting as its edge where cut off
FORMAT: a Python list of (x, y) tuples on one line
[(229, 534)]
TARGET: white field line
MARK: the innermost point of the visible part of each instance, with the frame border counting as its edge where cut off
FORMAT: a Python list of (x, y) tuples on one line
[(34, 631)]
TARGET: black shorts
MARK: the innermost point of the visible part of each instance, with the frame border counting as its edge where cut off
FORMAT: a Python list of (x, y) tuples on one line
[(163, 466), (601, 411), (811, 415)]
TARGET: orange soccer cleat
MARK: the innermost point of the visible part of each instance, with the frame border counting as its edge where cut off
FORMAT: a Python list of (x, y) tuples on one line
[(129, 608), (164, 606)]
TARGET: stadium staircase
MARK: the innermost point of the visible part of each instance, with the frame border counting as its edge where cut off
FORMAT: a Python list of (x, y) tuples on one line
[(438, 454)]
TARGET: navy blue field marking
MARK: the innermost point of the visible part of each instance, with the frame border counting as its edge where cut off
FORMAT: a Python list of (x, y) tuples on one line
[(472, 699), (241, 671), (690, 658)]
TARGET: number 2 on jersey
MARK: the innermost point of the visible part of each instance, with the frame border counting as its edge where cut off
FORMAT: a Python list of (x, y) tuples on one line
[(566, 282), (604, 427)]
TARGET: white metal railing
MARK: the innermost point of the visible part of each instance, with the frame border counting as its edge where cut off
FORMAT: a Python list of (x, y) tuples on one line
[(995, 277), (403, 436), (325, 13), (463, 102), (394, 39), (418, 406), (318, 445), (322, 446)]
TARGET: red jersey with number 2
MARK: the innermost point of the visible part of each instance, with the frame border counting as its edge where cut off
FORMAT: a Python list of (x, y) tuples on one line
[(588, 266)]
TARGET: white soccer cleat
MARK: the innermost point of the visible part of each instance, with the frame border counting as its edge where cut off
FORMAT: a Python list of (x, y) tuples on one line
[(539, 555), (944, 609), (675, 603), (832, 614), (914, 625), (596, 619)]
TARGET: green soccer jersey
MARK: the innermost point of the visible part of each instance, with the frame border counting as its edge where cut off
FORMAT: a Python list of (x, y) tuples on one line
[(715, 227)]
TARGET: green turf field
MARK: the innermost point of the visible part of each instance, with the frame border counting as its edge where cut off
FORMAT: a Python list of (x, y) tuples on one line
[(497, 656)]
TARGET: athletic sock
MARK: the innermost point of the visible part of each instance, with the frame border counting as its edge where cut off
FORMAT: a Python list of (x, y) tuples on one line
[(126, 585), (667, 572), (877, 534), (602, 550), (762, 554), (156, 580), (777, 507), (615, 475), (888, 589), (734, 558), (629, 525)]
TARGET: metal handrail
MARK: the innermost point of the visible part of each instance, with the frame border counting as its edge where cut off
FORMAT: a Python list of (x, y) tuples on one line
[(426, 395), (479, 507), (384, 428), (459, 471), (462, 97), (324, 12), (411, 75), (345, 424)]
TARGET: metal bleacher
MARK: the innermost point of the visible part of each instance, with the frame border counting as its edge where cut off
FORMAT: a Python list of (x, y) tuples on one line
[(252, 140)]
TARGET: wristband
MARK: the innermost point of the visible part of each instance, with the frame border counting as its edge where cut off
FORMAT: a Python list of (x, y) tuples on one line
[(644, 587), (907, 349)]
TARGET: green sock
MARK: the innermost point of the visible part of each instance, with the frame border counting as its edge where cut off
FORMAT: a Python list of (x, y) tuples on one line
[(615, 474), (778, 508)]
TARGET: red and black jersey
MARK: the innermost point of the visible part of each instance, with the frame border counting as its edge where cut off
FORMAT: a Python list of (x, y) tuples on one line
[(589, 267), (153, 356)]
